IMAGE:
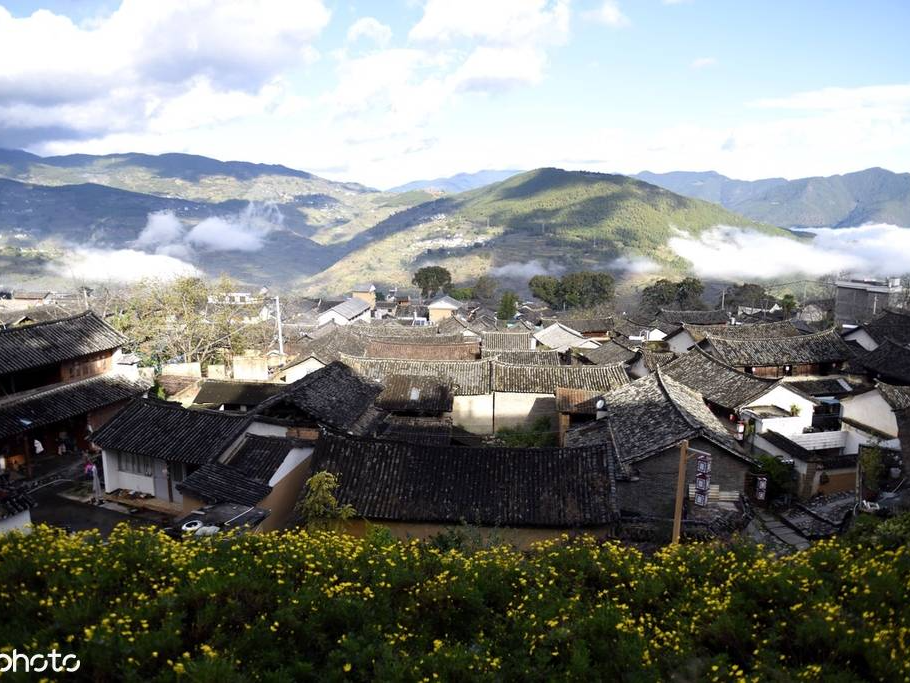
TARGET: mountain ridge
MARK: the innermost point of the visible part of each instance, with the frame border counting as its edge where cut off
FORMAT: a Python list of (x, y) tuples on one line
[(460, 182)]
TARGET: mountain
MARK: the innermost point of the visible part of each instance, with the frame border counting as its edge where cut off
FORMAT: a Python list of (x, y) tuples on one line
[(875, 195), (460, 182), (547, 218)]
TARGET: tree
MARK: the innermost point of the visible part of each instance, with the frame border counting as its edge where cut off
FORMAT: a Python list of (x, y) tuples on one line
[(189, 320), (461, 293), (788, 303), (587, 288), (546, 288), (432, 279), (688, 293), (508, 306), (747, 294), (659, 294), (871, 467), (319, 510), (485, 287)]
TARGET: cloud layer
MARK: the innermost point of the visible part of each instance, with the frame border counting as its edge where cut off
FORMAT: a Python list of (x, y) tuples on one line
[(119, 265), (735, 254)]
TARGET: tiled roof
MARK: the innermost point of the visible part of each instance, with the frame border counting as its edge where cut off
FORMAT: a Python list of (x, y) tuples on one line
[(468, 378), (893, 324), (28, 410), (821, 386), (542, 379), (716, 381), (172, 385), (650, 415), (429, 431), (334, 396), (158, 429), (897, 397), (55, 341), (609, 352), (392, 328), (540, 487), (717, 317), (753, 331), (330, 347), (445, 302), (655, 359), (889, 359), (821, 347), (524, 357), (558, 336), (507, 341), (582, 325), (410, 394), (13, 502), (231, 392), (244, 476), (577, 401), (404, 349)]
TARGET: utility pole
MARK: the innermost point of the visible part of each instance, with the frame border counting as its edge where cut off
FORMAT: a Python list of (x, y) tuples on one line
[(680, 490), (280, 332)]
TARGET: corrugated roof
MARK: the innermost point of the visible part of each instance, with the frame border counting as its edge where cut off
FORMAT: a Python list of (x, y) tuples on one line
[(558, 336), (582, 325), (540, 487), (350, 308), (55, 341)]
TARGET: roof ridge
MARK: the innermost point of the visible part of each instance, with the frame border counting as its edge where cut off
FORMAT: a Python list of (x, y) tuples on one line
[(412, 360), (751, 340), (661, 382), (726, 365), (47, 323), (25, 396)]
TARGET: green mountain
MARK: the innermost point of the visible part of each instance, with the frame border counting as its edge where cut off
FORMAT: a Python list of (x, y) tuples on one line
[(569, 218), (460, 182), (875, 195)]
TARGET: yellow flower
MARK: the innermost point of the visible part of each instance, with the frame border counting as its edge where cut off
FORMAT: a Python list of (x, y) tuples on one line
[(346, 667)]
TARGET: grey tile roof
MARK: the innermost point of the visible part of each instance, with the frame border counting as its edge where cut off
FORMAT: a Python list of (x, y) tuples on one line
[(445, 302), (716, 381), (334, 396), (429, 431), (507, 341), (539, 487), (821, 386), (608, 352), (655, 359), (821, 347), (577, 401), (751, 331), (893, 324), (468, 378), (896, 396), (542, 379), (714, 317), (582, 325), (404, 349), (13, 502), (889, 360), (392, 328), (54, 341), (331, 347), (28, 410), (410, 394), (650, 415), (558, 336), (158, 429), (524, 357)]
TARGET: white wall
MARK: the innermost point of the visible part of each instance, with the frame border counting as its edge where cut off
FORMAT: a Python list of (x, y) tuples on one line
[(513, 409), (300, 370), (294, 458), (17, 522), (473, 413), (340, 319), (262, 429), (115, 479), (854, 438), (784, 398), (872, 410)]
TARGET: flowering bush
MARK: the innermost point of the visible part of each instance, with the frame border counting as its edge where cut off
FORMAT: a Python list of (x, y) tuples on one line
[(290, 606)]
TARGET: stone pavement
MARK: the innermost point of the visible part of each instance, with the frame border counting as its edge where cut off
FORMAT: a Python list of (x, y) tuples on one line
[(781, 531)]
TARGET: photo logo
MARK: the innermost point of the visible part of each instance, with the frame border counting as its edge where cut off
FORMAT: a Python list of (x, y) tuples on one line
[(57, 662)]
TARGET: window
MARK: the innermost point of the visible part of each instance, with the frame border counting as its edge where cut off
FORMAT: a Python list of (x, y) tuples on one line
[(135, 464)]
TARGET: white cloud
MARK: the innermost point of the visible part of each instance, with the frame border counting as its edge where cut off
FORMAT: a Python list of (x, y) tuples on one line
[(161, 228), (497, 68), (119, 265), (502, 22), (737, 254), (634, 264), (703, 62), (371, 29), (118, 73), (609, 14), (242, 232), (525, 271)]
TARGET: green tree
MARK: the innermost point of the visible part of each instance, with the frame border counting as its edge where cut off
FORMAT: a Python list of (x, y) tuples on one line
[(461, 293), (508, 306), (688, 293), (546, 288), (485, 287), (659, 294), (432, 279), (319, 510), (746, 294), (780, 476), (872, 465), (586, 288), (788, 303)]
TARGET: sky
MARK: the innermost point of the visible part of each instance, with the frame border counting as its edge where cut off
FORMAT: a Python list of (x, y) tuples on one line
[(387, 92)]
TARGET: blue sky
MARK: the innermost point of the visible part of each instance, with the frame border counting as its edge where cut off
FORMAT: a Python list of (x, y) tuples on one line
[(385, 92)]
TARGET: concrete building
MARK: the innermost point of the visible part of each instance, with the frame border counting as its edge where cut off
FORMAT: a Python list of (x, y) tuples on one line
[(859, 300)]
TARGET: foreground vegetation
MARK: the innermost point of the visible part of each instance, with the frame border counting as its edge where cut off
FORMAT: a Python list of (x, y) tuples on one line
[(299, 606)]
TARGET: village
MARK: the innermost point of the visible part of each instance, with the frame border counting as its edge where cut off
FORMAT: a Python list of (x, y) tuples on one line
[(433, 414)]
